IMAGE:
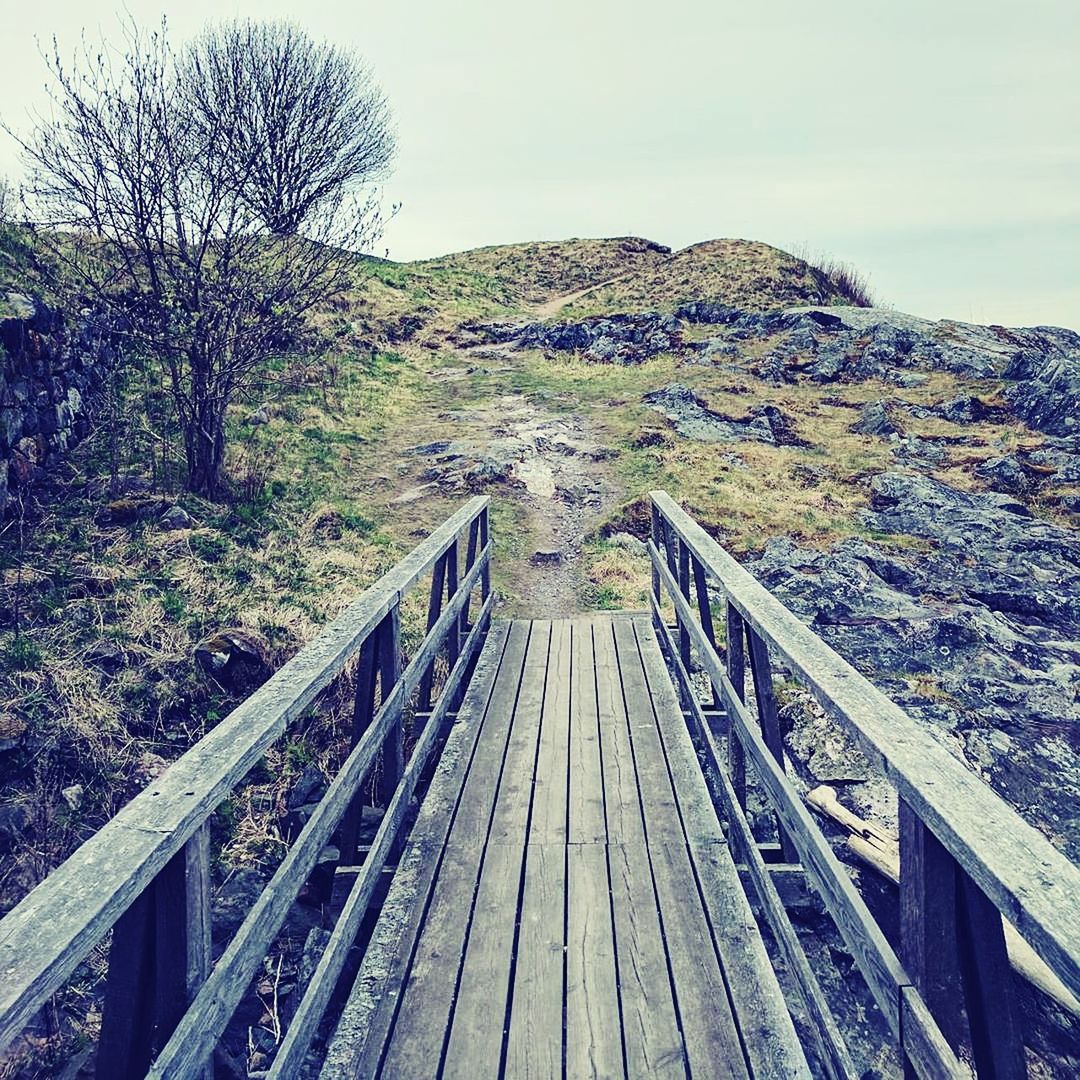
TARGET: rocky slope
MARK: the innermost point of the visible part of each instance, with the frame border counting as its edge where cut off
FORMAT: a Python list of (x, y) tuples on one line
[(961, 596)]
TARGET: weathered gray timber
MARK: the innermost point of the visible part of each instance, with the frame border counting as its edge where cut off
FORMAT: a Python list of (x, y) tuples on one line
[(569, 900), (956, 828), (577, 911), (151, 858)]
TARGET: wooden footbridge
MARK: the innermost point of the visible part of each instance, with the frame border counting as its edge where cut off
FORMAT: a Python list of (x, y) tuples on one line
[(565, 881)]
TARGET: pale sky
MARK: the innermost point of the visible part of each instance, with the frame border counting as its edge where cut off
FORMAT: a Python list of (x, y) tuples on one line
[(935, 144)]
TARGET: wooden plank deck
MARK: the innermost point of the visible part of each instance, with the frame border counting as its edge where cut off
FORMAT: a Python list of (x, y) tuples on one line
[(567, 905)]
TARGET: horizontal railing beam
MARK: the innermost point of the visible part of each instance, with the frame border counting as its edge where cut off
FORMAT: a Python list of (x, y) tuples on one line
[(1029, 881)]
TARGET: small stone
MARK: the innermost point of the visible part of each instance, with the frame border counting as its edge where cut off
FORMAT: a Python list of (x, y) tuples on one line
[(12, 730), (875, 420), (236, 656), (106, 654), (176, 517), (73, 795), (260, 416), (546, 557), (15, 823), (628, 543)]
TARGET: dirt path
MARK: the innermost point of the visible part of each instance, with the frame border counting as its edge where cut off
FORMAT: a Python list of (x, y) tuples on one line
[(553, 306), (555, 472)]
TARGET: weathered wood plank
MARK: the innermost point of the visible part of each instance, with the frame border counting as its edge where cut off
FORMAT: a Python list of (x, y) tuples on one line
[(547, 824), (367, 1018), (476, 1034), (422, 1024), (767, 1032), (712, 1043), (1029, 881), (535, 1046), (652, 1040), (586, 824), (535, 1043), (828, 1040), (46, 936), (593, 1049)]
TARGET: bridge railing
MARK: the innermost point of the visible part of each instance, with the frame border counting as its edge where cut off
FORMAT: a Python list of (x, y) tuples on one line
[(967, 859), (146, 874)]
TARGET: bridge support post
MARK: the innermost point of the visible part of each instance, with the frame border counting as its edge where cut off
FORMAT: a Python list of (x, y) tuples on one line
[(393, 754), (736, 672), (159, 957), (953, 947)]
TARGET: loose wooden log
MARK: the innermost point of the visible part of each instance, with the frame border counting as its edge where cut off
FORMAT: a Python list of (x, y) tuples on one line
[(878, 848)]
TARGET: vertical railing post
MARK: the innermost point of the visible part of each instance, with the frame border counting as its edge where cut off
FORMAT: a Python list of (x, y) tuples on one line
[(367, 671), (952, 944), (928, 942), (158, 959), (438, 583), (736, 672), (684, 588), (701, 589), (453, 638), (657, 539), (769, 718), (470, 558), (485, 574), (393, 751)]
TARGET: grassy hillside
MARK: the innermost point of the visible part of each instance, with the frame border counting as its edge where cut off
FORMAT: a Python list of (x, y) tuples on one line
[(741, 273)]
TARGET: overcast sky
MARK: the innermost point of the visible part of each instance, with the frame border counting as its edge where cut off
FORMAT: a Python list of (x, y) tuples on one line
[(933, 143)]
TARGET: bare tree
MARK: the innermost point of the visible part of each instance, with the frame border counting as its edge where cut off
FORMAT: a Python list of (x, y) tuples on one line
[(143, 192), (311, 123)]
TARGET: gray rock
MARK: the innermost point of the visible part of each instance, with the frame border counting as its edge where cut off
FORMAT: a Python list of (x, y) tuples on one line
[(628, 543), (694, 420), (15, 825), (875, 420), (176, 517), (546, 557)]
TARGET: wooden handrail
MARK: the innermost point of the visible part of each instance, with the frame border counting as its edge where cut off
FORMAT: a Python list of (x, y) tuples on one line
[(965, 852), (56, 925), (1028, 880)]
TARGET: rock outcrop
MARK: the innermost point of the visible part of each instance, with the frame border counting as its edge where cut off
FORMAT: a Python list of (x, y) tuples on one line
[(977, 635)]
